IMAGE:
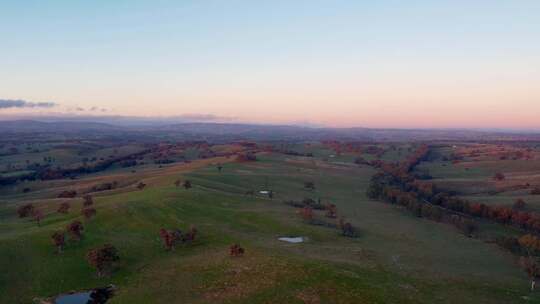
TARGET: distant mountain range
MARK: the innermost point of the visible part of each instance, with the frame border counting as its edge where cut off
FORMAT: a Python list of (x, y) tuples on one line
[(235, 131)]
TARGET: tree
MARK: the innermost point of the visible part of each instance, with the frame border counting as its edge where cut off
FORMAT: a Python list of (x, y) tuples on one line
[(167, 238), (331, 210), (25, 210), (219, 167), (499, 176), (190, 235), (88, 200), (187, 184), (141, 185), (102, 258), (531, 266), (244, 157), (64, 208), (519, 204), (67, 194), (307, 214), (236, 251), (309, 185), (75, 228), (360, 161), (88, 213), (347, 228), (58, 239), (38, 216), (177, 183), (530, 243)]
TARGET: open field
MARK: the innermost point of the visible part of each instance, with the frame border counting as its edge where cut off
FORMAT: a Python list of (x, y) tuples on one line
[(397, 258)]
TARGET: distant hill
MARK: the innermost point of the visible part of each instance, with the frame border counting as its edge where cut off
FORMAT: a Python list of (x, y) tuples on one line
[(235, 131)]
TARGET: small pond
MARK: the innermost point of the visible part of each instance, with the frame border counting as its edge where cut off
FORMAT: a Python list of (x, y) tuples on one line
[(293, 239), (96, 296)]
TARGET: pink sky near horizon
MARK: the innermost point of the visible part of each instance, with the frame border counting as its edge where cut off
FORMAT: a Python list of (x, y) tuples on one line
[(424, 64)]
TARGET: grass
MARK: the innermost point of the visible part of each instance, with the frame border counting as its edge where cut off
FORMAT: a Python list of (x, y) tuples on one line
[(396, 259)]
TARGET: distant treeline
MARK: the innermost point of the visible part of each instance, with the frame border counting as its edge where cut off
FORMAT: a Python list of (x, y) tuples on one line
[(395, 184), (49, 173)]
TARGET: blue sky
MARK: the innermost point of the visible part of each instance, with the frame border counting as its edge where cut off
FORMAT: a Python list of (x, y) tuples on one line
[(362, 63)]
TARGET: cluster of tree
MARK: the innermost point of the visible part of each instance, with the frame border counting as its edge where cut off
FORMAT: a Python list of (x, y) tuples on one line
[(128, 163), (528, 248), (419, 207), (308, 215), (294, 153), (306, 202), (25, 210), (361, 161), (356, 147), (75, 229), (67, 194), (101, 258), (28, 210), (48, 172), (104, 187), (395, 184), (207, 153), (248, 156), (163, 161), (171, 238)]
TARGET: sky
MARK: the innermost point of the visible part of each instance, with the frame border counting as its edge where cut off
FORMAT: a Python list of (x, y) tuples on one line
[(396, 64)]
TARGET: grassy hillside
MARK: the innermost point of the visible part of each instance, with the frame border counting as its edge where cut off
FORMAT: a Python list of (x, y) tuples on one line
[(397, 258)]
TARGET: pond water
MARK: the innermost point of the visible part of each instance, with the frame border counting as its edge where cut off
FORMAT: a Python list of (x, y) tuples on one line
[(96, 296), (74, 298), (295, 239)]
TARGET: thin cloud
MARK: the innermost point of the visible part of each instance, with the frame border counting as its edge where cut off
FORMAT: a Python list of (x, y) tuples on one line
[(203, 117), (19, 103)]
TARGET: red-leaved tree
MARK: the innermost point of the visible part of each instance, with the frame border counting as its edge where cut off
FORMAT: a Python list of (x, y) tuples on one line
[(58, 240), (236, 251), (88, 213), (64, 208), (75, 228), (102, 258)]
